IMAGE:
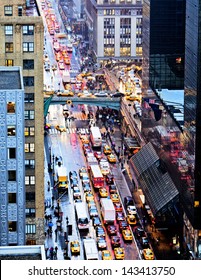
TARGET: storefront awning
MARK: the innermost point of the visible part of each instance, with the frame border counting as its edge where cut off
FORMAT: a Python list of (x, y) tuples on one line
[(157, 186)]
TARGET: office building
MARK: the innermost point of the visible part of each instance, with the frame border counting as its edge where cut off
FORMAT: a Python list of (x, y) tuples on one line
[(171, 69), (22, 35), (12, 190), (115, 29)]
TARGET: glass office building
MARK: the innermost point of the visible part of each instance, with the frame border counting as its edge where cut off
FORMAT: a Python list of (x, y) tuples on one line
[(171, 67)]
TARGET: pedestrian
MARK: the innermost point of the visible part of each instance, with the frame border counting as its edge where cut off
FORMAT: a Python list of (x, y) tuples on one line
[(46, 250), (48, 232), (56, 249), (53, 200), (46, 218), (51, 253), (56, 231)]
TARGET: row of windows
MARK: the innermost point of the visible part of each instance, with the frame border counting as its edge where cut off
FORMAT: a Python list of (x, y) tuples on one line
[(29, 148), (28, 114), (8, 10), (28, 131), (26, 47), (26, 29), (29, 229), (29, 180)]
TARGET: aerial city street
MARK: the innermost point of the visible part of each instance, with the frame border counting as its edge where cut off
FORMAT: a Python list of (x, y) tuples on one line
[(107, 123)]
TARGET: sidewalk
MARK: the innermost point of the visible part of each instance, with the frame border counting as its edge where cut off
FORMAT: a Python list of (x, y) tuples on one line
[(52, 240)]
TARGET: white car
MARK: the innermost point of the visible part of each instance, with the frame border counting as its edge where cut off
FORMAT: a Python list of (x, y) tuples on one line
[(101, 94), (131, 210)]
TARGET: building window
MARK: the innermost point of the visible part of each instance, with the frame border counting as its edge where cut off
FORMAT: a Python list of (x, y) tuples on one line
[(28, 29), (11, 130), (29, 97), (30, 196), (12, 198), (8, 10), (9, 62), (28, 64), (29, 115), (20, 11), (11, 153), (12, 226), (29, 180), (29, 131), (28, 81), (12, 175), (8, 30), (29, 163), (30, 212), (30, 229), (28, 47), (10, 107), (29, 147), (9, 47)]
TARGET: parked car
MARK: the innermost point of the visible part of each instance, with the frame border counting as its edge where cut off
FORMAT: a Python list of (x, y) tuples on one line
[(128, 200)]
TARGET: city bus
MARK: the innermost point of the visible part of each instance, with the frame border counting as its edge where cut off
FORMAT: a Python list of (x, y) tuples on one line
[(82, 216), (95, 137), (96, 176)]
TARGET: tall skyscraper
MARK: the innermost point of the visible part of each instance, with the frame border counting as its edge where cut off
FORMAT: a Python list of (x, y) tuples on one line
[(171, 55), (22, 35), (12, 187), (115, 29)]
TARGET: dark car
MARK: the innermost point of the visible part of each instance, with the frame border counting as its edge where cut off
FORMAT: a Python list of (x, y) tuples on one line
[(120, 216), (112, 189), (101, 243), (100, 231), (96, 221), (144, 242), (73, 175), (115, 241), (123, 225), (116, 94), (128, 200), (109, 178), (86, 187), (74, 182), (112, 230), (139, 232)]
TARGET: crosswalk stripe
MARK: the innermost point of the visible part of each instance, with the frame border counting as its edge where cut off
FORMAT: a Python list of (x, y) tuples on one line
[(69, 130)]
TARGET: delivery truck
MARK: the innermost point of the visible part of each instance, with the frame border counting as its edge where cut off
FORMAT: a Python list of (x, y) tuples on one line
[(90, 249), (107, 211), (61, 179)]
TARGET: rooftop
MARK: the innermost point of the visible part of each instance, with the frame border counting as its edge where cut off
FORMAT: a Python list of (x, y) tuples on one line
[(10, 78), (35, 252)]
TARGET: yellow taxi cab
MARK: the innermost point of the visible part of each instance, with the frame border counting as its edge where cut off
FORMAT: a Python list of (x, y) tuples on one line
[(106, 255), (75, 247), (85, 139), (67, 60), (89, 197), (127, 236), (107, 150), (68, 87), (66, 92), (111, 158), (148, 254), (133, 97), (115, 197), (131, 219), (119, 253), (103, 192), (60, 128)]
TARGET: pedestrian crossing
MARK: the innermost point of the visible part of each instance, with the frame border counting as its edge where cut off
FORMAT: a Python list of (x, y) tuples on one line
[(69, 130)]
